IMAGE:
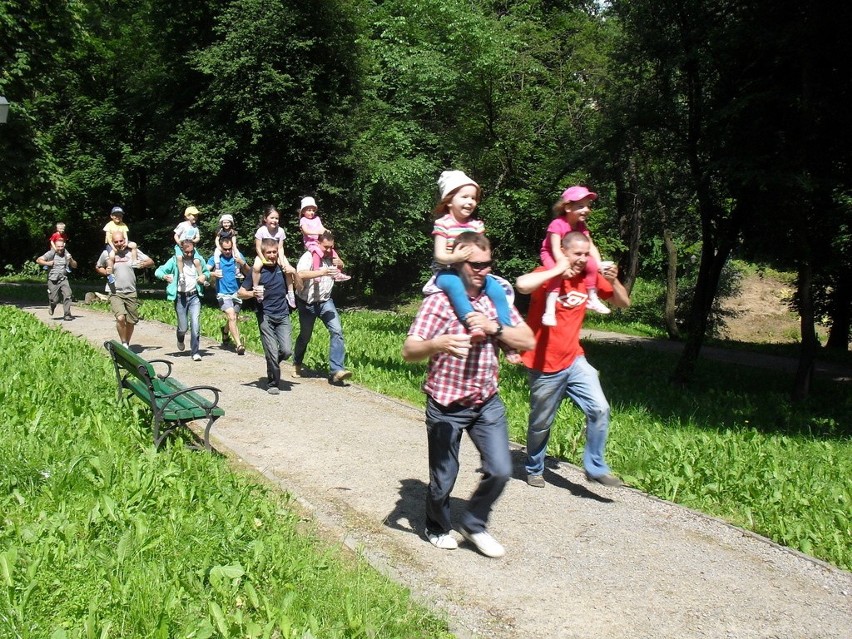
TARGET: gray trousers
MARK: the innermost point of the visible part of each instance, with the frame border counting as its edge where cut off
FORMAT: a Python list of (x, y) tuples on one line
[(60, 292)]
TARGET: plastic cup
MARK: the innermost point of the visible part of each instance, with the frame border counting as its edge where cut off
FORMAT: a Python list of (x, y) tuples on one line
[(258, 291), (605, 265)]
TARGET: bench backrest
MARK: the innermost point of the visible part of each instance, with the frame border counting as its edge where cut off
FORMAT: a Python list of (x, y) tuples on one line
[(126, 359)]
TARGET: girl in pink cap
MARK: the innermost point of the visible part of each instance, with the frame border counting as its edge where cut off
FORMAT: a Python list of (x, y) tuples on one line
[(312, 227), (569, 214)]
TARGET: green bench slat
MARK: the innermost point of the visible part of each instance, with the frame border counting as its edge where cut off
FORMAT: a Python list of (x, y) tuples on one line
[(187, 406)]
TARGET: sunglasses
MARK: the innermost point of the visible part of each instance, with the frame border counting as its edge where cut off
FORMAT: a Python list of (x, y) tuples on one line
[(479, 266)]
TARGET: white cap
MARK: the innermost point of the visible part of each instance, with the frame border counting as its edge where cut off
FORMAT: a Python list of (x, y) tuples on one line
[(451, 180), (306, 202), (226, 217)]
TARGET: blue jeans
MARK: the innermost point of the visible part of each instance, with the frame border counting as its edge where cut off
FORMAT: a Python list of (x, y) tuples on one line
[(488, 429), (327, 312), (277, 343), (188, 310), (547, 390), (451, 284)]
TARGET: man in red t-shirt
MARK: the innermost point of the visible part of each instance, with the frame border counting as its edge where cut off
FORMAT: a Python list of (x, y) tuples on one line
[(557, 366)]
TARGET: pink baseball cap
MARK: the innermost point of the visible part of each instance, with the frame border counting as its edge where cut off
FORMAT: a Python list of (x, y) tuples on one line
[(577, 193)]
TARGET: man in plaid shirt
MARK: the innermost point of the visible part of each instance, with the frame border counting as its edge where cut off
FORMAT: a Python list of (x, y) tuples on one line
[(461, 390)]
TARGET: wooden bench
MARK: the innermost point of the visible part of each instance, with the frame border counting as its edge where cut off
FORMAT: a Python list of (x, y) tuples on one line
[(170, 401)]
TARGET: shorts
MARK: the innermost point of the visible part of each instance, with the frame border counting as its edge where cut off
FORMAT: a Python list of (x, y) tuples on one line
[(126, 304), (229, 301)]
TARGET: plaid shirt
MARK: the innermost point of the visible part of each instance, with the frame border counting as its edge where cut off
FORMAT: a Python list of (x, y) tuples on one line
[(470, 381)]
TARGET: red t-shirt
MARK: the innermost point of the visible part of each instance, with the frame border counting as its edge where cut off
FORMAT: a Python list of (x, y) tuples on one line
[(58, 236), (556, 347)]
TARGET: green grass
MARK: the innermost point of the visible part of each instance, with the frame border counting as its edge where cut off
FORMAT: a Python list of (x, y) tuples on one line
[(102, 536), (731, 445)]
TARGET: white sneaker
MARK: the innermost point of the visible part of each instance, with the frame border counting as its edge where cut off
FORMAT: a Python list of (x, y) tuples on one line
[(485, 543), (291, 300), (342, 277), (196, 357), (548, 319), (597, 306), (444, 541)]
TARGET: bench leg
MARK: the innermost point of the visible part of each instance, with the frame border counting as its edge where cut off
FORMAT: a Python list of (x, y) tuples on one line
[(207, 433)]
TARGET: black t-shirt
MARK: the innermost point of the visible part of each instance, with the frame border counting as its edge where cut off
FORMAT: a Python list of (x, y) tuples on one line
[(274, 301)]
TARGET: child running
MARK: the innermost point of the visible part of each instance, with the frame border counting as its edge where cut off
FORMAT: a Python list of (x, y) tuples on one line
[(116, 223), (188, 231), (226, 231), (311, 227), (569, 214), (269, 228), (459, 198)]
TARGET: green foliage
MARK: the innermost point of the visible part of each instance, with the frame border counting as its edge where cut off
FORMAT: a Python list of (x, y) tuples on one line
[(102, 535)]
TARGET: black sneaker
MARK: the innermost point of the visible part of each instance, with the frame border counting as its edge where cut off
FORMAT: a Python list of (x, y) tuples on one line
[(52, 308), (225, 336), (180, 344), (607, 480)]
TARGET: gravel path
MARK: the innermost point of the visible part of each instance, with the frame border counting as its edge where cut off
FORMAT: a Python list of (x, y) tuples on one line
[(582, 560)]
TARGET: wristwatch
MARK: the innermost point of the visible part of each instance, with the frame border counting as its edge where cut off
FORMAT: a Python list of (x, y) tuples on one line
[(499, 330)]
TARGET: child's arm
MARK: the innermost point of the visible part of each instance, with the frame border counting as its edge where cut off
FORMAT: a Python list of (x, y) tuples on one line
[(444, 256), (177, 239), (216, 240), (257, 248), (555, 242)]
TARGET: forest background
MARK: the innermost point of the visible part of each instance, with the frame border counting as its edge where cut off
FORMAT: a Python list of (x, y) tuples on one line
[(710, 129)]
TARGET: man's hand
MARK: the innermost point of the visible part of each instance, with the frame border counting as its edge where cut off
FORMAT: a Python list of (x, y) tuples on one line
[(481, 321), (457, 345)]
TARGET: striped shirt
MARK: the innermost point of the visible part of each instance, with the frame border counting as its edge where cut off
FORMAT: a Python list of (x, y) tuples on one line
[(449, 228), (470, 381)]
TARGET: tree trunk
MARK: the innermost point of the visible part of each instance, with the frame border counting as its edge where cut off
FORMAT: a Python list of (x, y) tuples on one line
[(805, 370), (841, 315), (671, 285), (712, 262), (629, 207)]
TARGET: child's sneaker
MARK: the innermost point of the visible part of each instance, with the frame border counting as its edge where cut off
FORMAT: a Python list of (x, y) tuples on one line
[(548, 319), (111, 278), (291, 299), (594, 304), (342, 277)]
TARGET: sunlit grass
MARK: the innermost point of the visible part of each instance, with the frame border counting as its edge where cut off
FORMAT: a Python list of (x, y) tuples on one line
[(102, 536)]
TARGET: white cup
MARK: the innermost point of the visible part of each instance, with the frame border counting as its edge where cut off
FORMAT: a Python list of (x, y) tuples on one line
[(605, 265), (258, 291)]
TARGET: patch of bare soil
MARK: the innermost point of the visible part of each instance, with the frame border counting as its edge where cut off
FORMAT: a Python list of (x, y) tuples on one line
[(761, 314)]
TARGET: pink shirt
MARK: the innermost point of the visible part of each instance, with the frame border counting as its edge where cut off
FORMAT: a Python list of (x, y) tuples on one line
[(559, 226), (263, 233), (311, 228)]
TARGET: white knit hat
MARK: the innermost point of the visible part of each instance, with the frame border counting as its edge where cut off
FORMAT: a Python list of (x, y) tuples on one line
[(451, 180), (226, 217), (306, 202)]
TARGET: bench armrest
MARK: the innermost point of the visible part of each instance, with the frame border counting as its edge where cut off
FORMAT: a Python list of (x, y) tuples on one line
[(168, 367), (184, 391)]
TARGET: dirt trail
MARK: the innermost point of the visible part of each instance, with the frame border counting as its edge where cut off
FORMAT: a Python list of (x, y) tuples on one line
[(582, 560)]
